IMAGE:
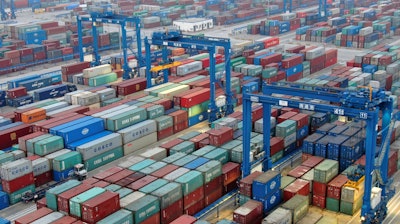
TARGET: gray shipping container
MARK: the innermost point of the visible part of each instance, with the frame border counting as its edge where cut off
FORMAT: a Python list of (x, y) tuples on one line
[(106, 94), (101, 145), (138, 130), (314, 53), (156, 153), (49, 218), (40, 166), (50, 113), (67, 96), (55, 106), (88, 99), (111, 110), (189, 68), (15, 169)]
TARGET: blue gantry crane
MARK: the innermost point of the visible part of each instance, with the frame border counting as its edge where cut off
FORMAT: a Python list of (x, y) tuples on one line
[(175, 38), (4, 14), (363, 104), (110, 17), (322, 10), (285, 6)]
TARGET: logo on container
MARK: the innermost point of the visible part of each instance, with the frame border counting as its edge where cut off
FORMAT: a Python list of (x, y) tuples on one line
[(272, 185), (85, 131)]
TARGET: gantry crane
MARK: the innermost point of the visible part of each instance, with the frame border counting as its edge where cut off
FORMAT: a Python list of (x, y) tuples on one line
[(4, 14), (175, 38), (110, 17), (364, 104)]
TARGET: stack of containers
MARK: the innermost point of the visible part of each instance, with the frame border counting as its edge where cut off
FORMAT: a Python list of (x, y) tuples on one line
[(351, 196), (196, 105), (63, 165), (250, 212), (333, 195), (17, 179), (323, 173), (68, 71), (41, 170), (138, 136), (99, 75), (265, 189), (165, 125)]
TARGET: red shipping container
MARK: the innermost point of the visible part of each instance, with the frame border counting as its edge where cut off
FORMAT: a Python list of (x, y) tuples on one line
[(63, 198), (100, 183), (74, 68), (133, 86), (171, 143), (16, 92), (141, 182), (334, 187), (180, 126), (78, 110), (65, 220), (301, 119), (129, 179), (312, 161), (319, 201), (41, 203), (230, 172), (245, 184), (179, 116), (166, 103), (49, 24), (108, 172), (274, 58), (216, 183), (276, 145), (177, 97), (292, 61), (18, 183), (197, 139), (90, 181), (172, 212), (271, 42), (195, 98), (25, 51), (5, 62), (22, 140), (154, 219), (113, 178), (212, 196), (299, 186), (43, 178), (319, 188), (10, 136), (286, 116), (28, 218), (184, 219), (220, 136), (256, 113), (193, 197), (299, 171), (100, 207), (164, 171), (165, 133), (248, 213), (296, 49), (195, 208)]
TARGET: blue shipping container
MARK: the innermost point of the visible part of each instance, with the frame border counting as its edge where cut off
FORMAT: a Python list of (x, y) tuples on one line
[(63, 175), (250, 87), (4, 221), (55, 130), (351, 149), (36, 83), (55, 77), (270, 202), (198, 118), (51, 92), (21, 101), (4, 202), (82, 130), (15, 124), (294, 70), (15, 83), (5, 121), (196, 163), (74, 145), (262, 190)]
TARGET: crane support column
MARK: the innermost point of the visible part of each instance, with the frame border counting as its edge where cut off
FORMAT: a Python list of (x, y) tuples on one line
[(140, 62), (212, 107), (127, 69), (148, 62), (267, 163), (96, 59), (386, 119), (12, 10), (229, 95), (80, 45), (246, 166), (165, 60)]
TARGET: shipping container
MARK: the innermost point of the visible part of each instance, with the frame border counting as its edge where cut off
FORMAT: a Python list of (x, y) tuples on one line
[(75, 203), (100, 206)]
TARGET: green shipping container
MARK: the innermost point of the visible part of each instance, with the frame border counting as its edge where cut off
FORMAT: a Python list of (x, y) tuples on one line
[(110, 101), (190, 135), (126, 119), (124, 192), (51, 195), (155, 92), (219, 154), (326, 170), (210, 170), (185, 160), (174, 157), (187, 81), (75, 202), (30, 144), (104, 158), (148, 99), (183, 147), (238, 61), (204, 150), (153, 167), (103, 79), (298, 205), (142, 164), (155, 111), (113, 187), (243, 199), (66, 161), (164, 122), (349, 208), (269, 72), (277, 156), (119, 217), (236, 154), (168, 194), (190, 181), (6, 157), (197, 109), (285, 181), (231, 144), (48, 145), (16, 196), (332, 204), (285, 128), (153, 186), (144, 208)]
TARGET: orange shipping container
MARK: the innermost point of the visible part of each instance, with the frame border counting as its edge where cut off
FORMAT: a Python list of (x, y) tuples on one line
[(177, 51), (33, 115)]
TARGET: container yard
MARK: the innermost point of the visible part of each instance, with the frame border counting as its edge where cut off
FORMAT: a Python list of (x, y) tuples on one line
[(199, 112)]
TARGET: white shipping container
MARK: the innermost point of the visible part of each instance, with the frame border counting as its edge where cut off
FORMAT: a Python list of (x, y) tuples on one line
[(131, 198), (156, 153), (151, 19), (88, 99), (176, 173), (51, 113), (189, 68), (40, 166), (314, 53), (53, 155), (18, 154), (98, 70), (130, 161), (100, 145), (111, 110), (138, 130), (106, 94), (15, 169), (278, 216), (169, 94), (49, 218), (366, 31), (74, 97), (139, 143), (55, 106)]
